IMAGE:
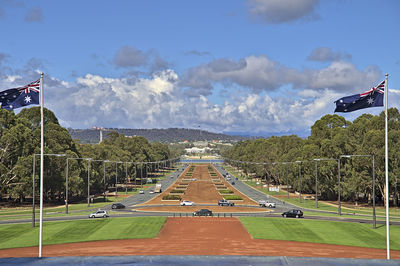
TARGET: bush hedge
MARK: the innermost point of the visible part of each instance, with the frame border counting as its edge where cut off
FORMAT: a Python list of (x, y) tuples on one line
[(178, 191), (225, 191), (233, 197), (171, 197)]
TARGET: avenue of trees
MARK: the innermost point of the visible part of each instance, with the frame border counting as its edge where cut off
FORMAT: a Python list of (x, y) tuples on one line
[(20, 140), (331, 137)]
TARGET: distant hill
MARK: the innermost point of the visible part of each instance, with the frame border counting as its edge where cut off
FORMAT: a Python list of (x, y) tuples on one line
[(154, 135)]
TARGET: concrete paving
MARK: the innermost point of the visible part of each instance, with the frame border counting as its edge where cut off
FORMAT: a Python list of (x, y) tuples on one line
[(196, 260)]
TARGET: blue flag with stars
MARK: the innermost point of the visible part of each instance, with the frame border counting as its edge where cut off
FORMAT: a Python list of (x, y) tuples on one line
[(19, 97), (372, 98)]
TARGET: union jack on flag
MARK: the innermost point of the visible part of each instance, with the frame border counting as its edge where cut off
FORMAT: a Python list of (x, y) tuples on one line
[(19, 97), (370, 98)]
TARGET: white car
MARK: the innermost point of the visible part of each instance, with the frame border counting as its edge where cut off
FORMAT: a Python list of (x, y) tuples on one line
[(266, 203), (187, 203), (98, 214), (151, 192), (141, 191)]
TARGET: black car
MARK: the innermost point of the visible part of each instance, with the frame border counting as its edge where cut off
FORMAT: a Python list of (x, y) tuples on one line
[(224, 202), (117, 206), (293, 213), (203, 212)]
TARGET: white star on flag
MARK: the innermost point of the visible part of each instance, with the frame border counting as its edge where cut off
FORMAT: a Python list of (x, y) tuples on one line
[(27, 99), (370, 101)]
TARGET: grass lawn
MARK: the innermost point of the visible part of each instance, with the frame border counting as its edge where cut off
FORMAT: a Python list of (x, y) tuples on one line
[(24, 235), (26, 212), (339, 233)]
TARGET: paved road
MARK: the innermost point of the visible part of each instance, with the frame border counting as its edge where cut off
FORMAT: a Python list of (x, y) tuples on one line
[(141, 198), (253, 193)]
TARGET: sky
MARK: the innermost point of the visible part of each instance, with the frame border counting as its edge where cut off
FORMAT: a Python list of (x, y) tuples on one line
[(252, 67)]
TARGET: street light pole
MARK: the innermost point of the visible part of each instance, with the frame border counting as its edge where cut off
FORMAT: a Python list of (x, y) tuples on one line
[(66, 181), (116, 172), (373, 191), (339, 203), (299, 162), (66, 189), (33, 192), (104, 181), (316, 176), (373, 183), (88, 184), (316, 183), (287, 180), (34, 180)]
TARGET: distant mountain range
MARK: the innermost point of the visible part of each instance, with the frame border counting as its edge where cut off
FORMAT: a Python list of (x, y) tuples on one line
[(155, 135)]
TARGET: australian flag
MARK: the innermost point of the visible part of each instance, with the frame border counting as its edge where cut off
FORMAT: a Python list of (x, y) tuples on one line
[(19, 97), (371, 98)]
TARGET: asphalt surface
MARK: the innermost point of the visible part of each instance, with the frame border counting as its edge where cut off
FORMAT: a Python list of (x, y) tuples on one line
[(146, 196)]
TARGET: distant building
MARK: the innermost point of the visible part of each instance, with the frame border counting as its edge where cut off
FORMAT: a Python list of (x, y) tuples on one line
[(197, 150), (200, 143)]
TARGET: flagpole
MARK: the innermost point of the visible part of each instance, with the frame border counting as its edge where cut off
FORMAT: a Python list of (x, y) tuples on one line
[(41, 165), (387, 167)]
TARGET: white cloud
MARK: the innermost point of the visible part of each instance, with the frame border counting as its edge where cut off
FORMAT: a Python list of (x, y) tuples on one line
[(159, 100), (326, 54), (281, 11), (344, 76), (259, 73)]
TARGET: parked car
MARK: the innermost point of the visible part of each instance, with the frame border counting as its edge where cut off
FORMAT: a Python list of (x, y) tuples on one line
[(266, 203), (203, 212), (141, 191), (117, 206), (151, 192), (293, 213), (224, 202), (98, 214), (233, 182), (187, 203)]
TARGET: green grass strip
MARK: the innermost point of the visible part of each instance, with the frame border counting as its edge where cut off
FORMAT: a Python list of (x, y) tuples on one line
[(24, 235), (327, 232)]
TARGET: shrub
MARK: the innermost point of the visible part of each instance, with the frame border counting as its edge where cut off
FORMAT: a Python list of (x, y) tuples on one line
[(232, 197), (171, 197), (177, 191), (225, 191)]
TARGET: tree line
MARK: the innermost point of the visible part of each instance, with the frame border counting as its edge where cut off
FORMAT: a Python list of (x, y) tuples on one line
[(169, 135), (331, 137), (20, 141)]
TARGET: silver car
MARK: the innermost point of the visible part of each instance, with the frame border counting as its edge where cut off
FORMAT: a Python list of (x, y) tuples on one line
[(98, 214)]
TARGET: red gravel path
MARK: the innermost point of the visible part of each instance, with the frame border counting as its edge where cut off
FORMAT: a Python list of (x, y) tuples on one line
[(201, 236)]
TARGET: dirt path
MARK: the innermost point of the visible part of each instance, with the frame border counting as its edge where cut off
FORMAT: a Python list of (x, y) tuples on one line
[(201, 236)]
